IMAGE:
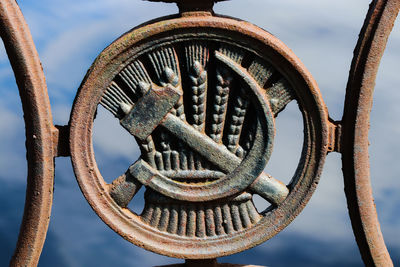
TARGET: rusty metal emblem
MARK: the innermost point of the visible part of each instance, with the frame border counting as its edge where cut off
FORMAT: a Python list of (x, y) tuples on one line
[(200, 97)]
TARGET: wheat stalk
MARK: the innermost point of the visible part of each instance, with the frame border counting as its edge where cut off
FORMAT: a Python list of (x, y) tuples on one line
[(224, 80), (198, 78), (233, 53), (236, 120), (133, 75), (261, 71), (280, 94), (197, 55), (114, 99), (148, 150), (247, 141), (165, 65), (173, 79), (166, 150)]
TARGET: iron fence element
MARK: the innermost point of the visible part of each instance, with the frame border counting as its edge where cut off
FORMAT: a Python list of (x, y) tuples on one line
[(200, 94), (40, 133)]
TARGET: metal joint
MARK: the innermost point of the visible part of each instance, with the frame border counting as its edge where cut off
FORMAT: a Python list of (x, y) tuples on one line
[(335, 136), (60, 141)]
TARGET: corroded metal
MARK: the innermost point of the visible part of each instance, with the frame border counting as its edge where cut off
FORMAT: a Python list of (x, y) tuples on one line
[(200, 94), (39, 133), (360, 87), (191, 5)]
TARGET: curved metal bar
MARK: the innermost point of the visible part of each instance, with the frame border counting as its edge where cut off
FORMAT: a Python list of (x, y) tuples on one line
[(39, 133), (359, 95)]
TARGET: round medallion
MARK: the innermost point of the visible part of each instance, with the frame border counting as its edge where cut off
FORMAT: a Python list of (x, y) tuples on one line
[(200, 96)]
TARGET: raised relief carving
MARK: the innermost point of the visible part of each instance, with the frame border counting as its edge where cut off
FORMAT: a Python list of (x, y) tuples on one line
[(201, 103)]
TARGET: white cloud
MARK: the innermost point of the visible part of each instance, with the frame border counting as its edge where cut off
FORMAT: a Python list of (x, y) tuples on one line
[(73, 33), (12, 160), (111, 138)]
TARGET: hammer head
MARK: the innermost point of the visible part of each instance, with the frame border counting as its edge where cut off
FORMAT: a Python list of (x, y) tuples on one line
[(150, 110)]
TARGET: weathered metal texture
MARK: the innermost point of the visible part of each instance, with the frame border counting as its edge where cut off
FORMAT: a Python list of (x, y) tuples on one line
[(39, 133), (360, 87), (203, 153), (191, 5), (217, 154), (203, 149)]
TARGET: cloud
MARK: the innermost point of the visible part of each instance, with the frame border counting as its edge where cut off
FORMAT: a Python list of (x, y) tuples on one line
[(71, 34), (12, 161), (322, 34)]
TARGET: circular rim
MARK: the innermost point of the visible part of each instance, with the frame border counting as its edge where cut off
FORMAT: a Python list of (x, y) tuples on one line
[(368, 53), (30, 79), (126, 223)]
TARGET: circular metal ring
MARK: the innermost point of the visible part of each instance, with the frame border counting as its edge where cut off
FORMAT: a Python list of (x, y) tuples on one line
[(359, 95), (39, 133), (238, 45)]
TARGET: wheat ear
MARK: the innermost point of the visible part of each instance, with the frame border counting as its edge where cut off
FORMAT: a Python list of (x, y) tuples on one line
[(236, 120), (224, 79)]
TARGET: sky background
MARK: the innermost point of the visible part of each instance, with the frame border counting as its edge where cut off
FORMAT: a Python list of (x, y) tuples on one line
[(69, 34)]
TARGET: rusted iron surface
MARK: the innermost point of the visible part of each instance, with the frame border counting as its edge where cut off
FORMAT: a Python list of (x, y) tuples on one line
[(200, 94), (148, 112), (360, 87), (335, 136), (39, 133), (60, 141), (191, 5), (214, 87)]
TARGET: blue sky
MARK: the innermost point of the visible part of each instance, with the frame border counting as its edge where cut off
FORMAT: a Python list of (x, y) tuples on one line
[(70, 34)]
